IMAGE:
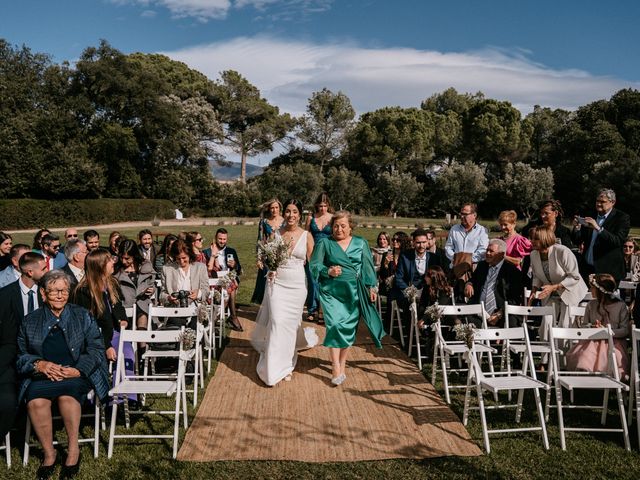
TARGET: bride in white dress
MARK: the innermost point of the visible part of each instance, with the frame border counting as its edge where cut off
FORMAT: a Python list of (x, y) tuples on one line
[(279, 333)]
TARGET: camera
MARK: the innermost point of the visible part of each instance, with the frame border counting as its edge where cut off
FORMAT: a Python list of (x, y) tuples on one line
[(183, 297)]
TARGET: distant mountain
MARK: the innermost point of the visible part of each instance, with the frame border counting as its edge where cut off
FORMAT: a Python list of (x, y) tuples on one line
[(233, 172)]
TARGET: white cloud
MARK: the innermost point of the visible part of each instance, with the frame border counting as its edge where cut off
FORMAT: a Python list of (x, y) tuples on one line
[(148, 14), (288, 72)]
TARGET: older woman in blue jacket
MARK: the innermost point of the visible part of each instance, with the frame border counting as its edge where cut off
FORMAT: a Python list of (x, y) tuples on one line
[(61, 358)]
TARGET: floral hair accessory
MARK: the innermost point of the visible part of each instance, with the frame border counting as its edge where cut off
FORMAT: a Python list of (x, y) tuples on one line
[(594, 283)]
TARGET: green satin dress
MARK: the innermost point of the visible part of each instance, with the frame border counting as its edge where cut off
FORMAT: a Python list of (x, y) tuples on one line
[(345, 298)]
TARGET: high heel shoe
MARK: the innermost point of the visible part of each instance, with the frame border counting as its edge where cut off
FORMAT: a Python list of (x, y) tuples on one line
[(45, 472), (70, 471), (339, 379)]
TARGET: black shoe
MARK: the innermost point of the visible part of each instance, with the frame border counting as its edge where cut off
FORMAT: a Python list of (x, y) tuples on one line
[(236, 325), (45, 472), (70, 471)]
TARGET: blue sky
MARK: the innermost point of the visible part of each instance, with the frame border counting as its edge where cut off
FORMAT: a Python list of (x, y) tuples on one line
[(379, 52)]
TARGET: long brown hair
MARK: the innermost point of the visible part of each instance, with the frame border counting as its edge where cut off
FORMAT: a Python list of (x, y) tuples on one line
[(604, 285), (438, 282), (97, 281)]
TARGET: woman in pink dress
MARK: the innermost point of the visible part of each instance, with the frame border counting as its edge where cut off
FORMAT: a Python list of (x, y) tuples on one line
[(605, 309), (518, 246)]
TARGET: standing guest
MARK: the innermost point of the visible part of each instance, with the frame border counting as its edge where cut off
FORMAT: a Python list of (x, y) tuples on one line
[(466, 245), (12, 272), (343, 266), (433, 248), (631, 260), (196, 242), (270, 221), (550, 215), (382, 248), (183, 274), (136, 278), (75, 251), (5, 250), (60, 359), (147, 248), (279, 334), (114, 240), (399, 243), (225, 258), (100, 293), (70, 234), (164, 256), (605, 309), (518, 246), (436, 290), (16, 300), (556, 279), (602, 236), (495, 282), (319, 225), (92, 239), (37, 239), (51, 250)]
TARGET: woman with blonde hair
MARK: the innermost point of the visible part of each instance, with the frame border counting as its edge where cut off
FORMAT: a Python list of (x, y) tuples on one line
[(518, 246), (99, 292), (271, 220)]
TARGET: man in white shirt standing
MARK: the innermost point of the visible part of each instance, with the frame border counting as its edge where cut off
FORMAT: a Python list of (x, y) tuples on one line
[(12, 272), (466, 245)]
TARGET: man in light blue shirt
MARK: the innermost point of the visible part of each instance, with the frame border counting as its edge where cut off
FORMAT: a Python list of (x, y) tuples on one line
[(12, 272), (467, 242)]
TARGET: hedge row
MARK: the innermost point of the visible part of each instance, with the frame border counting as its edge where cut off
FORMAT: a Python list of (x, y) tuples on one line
[(26, 213)]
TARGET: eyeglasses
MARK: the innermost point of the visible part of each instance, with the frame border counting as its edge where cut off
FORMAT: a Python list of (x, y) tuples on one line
[(628, 247), (55, 247), (395, 239), (200, 239), (72, 236), (57, 293), (466, 214)]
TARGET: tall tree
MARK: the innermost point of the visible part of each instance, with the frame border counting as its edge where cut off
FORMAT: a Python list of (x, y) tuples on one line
[(458, 183), (251, 124), (328, 120), (524, 187)]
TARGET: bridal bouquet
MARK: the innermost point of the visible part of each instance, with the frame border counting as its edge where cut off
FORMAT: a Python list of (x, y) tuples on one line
[(273, 253)]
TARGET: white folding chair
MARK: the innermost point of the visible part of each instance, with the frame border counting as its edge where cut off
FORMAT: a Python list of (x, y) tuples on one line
[(414, 332), (7, 448), (572, 380), (94, 439), (443, 350), (167, 385), (496, 382), (151, 355), (634, 395), (395, 317), (219, 311)]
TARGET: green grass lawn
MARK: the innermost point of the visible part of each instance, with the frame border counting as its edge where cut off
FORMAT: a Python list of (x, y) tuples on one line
[(518, 455)]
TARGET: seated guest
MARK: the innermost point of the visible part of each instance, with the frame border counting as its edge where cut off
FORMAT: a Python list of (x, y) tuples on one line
[(136, 277), (60, 359), (163, 257), (382, 249), (147, 248), (100, 293), (224, 258), (631, 260), (195, 241), (92, 239), (605, 309), (436, 290), (12, 272), (494, 282), (51, 250), (183, 274), (518, 246), (76, 251), (37, 239), (5, 250), (389, 264), (114, 240)]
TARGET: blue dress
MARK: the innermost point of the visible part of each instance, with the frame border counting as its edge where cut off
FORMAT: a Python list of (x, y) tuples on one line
[(265, 231), (318, 234)]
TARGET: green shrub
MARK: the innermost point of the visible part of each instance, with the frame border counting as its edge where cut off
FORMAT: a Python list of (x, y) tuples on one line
[(27, 213)]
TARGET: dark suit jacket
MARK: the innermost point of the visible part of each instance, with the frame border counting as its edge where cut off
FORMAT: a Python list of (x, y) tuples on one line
[(607, 251), (11, 315), (72, 278), (407, 273), (508, 286)]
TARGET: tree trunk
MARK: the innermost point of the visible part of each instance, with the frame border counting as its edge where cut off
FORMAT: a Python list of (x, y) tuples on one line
[(243, 167)]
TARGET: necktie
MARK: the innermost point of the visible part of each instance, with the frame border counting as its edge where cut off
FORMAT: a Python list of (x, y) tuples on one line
[(490, 291), (30, 302)]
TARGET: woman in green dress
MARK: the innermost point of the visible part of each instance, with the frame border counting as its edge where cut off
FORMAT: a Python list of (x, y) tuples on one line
[(343, 266)]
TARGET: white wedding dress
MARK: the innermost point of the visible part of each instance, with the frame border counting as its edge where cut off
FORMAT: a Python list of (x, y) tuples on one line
[(279, 333)]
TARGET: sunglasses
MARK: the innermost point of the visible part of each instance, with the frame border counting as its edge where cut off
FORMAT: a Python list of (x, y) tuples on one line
[(628, 246), (72, 236)]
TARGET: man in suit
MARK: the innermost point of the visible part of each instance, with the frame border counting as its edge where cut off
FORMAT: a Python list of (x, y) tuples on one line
[(224, 258), (51, 250), (75, 251), (495, 282), (437, 251), (602, 238), (411, 269), (146, 246), (12, 272), (16, 300)]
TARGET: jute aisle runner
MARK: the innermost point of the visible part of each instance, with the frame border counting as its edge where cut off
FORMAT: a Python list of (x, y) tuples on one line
[(385, 409)]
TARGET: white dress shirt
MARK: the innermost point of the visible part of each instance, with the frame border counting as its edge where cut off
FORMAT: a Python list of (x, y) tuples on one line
[(421, 263), (77, 272), (25, 296)]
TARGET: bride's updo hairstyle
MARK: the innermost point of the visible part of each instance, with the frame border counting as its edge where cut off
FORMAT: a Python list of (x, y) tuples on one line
[(343, 214), (292, 201)]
